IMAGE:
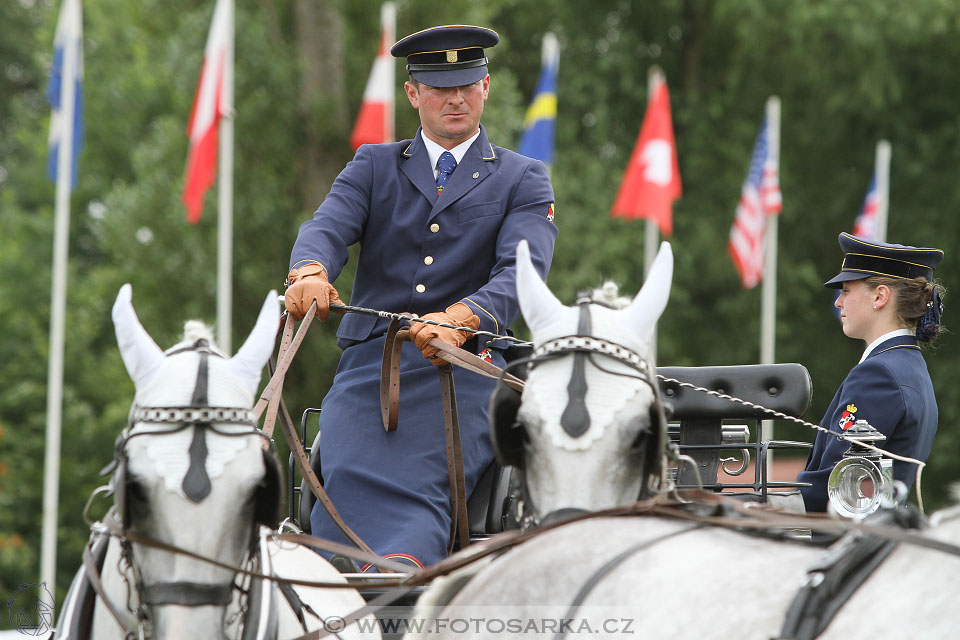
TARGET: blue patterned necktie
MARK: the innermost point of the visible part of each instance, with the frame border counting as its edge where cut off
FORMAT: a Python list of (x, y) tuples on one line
[(445, 166)]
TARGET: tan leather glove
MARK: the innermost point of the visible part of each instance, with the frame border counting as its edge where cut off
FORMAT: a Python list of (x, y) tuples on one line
[(458, 314), (309, 283)]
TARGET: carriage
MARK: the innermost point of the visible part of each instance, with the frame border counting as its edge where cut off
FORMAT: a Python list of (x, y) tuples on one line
[(706, 428), (690, 406)]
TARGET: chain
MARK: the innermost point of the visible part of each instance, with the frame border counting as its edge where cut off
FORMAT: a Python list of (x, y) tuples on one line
[(777, 414), (415, 318)]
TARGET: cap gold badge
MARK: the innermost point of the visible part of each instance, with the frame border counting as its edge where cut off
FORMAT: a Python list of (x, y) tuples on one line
[(451, 56)]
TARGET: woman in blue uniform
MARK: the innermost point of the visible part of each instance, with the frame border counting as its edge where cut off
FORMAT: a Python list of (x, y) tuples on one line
[(889, 300)]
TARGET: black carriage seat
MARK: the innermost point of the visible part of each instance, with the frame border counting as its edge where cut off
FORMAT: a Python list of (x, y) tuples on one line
[(785, 387), (489, 508), (782, 387)]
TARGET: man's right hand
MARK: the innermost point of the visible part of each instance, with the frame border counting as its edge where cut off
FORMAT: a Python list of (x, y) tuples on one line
[(309, 283)]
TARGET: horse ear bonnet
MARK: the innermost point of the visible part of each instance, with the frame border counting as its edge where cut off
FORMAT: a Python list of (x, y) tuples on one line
[(507, 434)]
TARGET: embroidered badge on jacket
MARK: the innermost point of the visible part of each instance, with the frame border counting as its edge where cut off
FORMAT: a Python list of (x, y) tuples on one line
[(485, 355), (550, 213), (848, 417)]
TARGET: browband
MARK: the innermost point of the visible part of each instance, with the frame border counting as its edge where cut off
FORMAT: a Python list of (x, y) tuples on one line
[(193, 414)]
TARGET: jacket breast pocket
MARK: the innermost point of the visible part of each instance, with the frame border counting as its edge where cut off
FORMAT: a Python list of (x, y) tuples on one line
[(479, 210)]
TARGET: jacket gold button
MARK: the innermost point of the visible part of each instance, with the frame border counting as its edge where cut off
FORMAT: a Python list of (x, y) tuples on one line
[(434, 227), (421, 288), (428, 260)]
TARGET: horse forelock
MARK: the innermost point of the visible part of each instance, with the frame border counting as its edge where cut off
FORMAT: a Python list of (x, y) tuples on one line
[(608, 294), (194, 330)]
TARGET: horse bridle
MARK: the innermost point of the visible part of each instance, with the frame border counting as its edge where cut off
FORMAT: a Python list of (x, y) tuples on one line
[(508, 433), (196, 487)]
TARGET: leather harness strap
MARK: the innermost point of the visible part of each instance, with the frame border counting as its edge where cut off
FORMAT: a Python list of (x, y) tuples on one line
[(272, 400), (833, 581), (390, 411), (93, 576), (276, 382), (303, 463), (274, 403), (459, 522), (187, 594), (390, 377), (470, 362)]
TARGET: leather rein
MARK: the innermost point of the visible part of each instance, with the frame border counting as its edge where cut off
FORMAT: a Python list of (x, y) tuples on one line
[(271, 401)]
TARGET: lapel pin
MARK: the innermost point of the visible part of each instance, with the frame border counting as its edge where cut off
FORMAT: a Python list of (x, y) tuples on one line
[(476, 174)]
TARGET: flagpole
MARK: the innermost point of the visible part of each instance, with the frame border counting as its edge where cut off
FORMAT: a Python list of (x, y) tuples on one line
[(549, 49), (225, 200), (388, 28), (768, 318), (651, 235), (58, 308), (882, 171)]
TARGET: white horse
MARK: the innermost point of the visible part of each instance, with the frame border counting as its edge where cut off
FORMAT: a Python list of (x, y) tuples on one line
[(194, 472), (649, 577)]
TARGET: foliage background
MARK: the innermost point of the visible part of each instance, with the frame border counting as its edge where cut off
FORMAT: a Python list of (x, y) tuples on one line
[(848, 73)]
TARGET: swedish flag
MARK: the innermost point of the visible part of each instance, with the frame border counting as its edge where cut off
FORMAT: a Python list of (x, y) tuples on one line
[(538, 124)]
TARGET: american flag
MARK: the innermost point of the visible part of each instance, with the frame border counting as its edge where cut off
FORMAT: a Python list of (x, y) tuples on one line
[(759, 198), (865, 226)]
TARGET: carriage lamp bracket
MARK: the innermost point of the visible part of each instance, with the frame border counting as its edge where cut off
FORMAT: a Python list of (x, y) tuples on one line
[(869, 464)]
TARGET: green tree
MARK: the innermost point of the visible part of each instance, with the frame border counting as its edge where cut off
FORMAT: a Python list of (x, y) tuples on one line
[(847, 74)]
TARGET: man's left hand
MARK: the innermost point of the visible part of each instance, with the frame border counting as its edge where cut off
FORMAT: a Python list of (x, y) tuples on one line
[(457, 314)]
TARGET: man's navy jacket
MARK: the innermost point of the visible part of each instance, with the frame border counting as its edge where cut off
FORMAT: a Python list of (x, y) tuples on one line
[(421, 252)]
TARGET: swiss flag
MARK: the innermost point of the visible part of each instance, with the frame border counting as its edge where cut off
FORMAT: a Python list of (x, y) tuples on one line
[(209, 104), (375, 121), (651, 181)]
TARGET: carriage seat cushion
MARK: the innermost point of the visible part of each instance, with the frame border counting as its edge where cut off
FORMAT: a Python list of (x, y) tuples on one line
[(783, 387), (488, 507)]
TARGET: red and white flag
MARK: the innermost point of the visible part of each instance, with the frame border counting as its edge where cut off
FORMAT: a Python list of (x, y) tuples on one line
[(210, 103), (375, 121), (651, 181), (759, 198)]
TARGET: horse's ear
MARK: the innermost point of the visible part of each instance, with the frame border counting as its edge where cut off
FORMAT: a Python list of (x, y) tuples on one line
[(252, 356), (141, 355), (646, 308), (537, 303)]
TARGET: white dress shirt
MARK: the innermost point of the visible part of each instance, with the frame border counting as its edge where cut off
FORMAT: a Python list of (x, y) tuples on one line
[(434, 150)]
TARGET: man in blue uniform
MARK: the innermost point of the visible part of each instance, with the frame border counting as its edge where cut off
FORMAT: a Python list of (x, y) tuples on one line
[(438, 218), (889, 301)]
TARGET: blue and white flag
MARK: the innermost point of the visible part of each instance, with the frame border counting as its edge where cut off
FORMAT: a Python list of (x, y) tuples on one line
[(67, 68), (538, 125)]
